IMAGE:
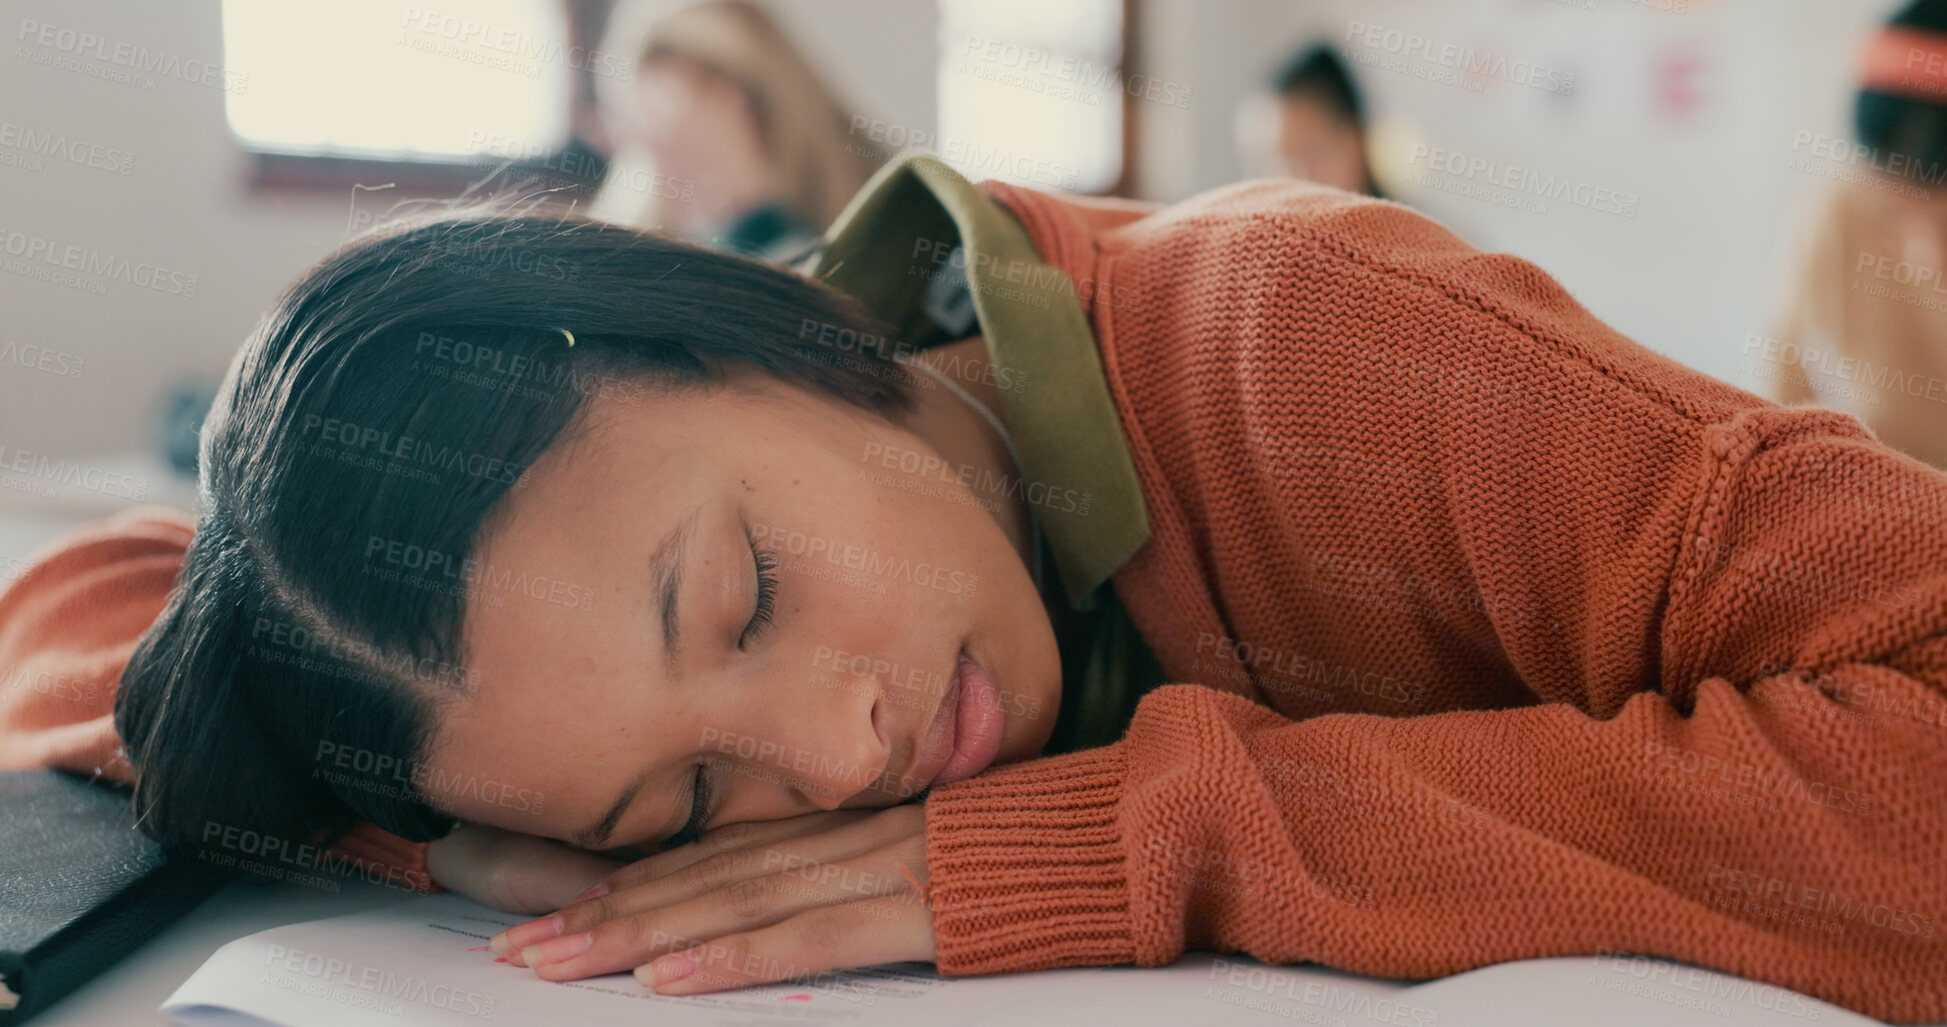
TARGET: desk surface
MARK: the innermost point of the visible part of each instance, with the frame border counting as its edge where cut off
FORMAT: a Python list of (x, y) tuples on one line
[(130, 992)]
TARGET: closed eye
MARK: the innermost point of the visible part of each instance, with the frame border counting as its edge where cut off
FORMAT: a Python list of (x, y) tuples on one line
[(699, 811), (765, 562)]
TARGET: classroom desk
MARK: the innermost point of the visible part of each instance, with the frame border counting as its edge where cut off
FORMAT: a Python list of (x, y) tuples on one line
[(129, 993)]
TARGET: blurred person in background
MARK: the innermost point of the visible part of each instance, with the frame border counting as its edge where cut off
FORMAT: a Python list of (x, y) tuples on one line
[(1863, 326), (725, 134), (1310, 124)]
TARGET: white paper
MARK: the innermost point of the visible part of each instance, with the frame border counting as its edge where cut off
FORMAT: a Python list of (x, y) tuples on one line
[(424, 961)]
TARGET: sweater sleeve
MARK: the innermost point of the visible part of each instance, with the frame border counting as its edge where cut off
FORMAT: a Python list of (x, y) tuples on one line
[(1680, 659), (68, 626), (1420, 847)]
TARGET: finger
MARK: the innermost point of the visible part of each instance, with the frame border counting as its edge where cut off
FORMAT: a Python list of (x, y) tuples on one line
[(813, 943), (716, 874), (611, 901), (741, 854), (626, 942), (541, 875), (731, 837), (512, 872)]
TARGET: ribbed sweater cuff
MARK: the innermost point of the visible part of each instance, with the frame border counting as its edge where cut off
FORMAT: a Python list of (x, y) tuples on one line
[(1025, 866)]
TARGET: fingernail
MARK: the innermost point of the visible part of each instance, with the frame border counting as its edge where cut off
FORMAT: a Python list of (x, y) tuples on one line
[(520, 936), (672, 968), (558, 950), (599, 889)]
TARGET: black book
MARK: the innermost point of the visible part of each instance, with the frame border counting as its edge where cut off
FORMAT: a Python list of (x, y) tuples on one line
[(80, 886)]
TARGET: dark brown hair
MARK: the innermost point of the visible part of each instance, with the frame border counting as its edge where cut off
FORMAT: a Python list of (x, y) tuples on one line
[(388, 400)]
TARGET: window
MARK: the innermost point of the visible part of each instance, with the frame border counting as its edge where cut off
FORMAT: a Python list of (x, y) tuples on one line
[(378, 78), (432, 98)]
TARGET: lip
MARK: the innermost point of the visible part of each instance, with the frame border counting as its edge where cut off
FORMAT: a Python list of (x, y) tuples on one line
[(966, 732)]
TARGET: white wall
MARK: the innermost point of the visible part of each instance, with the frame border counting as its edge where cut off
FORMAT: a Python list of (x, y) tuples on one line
[(179, 208), (182, 207), (1694, 271)]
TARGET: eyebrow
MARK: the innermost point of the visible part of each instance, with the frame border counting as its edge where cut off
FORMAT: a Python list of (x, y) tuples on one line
[(597, 836), (666, 570)]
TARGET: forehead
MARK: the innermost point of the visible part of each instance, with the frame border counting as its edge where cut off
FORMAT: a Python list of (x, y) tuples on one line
[(557, 601), (560, 606), (1309, 109)]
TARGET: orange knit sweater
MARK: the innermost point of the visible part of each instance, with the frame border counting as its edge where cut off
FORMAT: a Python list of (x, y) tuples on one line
[(1509, 637), (1503, 637)]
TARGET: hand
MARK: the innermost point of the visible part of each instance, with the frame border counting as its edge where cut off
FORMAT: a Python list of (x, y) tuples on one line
[(513, 872), (748, 903)]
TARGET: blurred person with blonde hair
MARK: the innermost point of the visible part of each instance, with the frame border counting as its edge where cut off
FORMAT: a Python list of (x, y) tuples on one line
[(725, 133), (1863, 327)]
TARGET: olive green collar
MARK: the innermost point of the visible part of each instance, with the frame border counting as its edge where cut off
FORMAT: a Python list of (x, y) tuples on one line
[(885, 249)]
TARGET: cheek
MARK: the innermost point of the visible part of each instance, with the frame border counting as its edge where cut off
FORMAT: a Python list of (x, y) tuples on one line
[(862, 544), (1351, 154), (512, 787)]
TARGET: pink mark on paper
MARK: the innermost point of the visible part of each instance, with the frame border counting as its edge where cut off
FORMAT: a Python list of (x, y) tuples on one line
[(794, 998)]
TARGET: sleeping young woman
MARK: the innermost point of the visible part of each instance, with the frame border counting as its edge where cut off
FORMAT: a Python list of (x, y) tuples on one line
[(1265, 573)]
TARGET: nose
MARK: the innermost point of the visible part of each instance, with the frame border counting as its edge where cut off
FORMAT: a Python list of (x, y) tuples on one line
[(842, 739)]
